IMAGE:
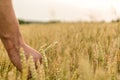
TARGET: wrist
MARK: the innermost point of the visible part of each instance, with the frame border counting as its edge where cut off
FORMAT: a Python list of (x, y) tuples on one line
[(13, 42)]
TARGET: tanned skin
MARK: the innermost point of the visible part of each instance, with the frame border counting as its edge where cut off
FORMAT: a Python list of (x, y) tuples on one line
[(11, 37)]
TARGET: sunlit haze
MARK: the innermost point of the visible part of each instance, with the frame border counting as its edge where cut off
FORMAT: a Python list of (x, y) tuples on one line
[(67, 10)]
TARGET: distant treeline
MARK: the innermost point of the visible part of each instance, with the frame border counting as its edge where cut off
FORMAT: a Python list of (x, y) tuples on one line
[(39, 22), (23, 21)]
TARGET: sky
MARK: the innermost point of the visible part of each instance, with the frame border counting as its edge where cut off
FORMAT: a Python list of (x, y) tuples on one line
[(67, 10)]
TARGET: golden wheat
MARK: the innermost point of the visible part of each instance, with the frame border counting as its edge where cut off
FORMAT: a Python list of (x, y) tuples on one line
[(70, 51)]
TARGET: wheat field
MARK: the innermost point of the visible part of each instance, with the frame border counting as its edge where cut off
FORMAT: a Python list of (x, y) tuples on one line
[(70, 51)]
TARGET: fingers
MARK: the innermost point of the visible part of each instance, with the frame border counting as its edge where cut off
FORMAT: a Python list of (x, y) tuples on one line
[(30, 51)]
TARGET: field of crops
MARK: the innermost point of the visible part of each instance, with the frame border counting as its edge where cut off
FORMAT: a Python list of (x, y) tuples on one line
[(70, 51)]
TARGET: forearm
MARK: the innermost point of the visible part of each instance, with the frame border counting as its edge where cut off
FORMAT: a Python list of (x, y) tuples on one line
[(9, 30)]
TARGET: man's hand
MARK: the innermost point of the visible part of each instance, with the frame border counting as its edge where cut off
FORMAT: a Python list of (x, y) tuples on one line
[(11, 36), (30, 51), (13, 48)]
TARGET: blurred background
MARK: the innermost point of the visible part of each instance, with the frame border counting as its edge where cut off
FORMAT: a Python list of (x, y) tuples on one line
[(67, 10), (78, 40)]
